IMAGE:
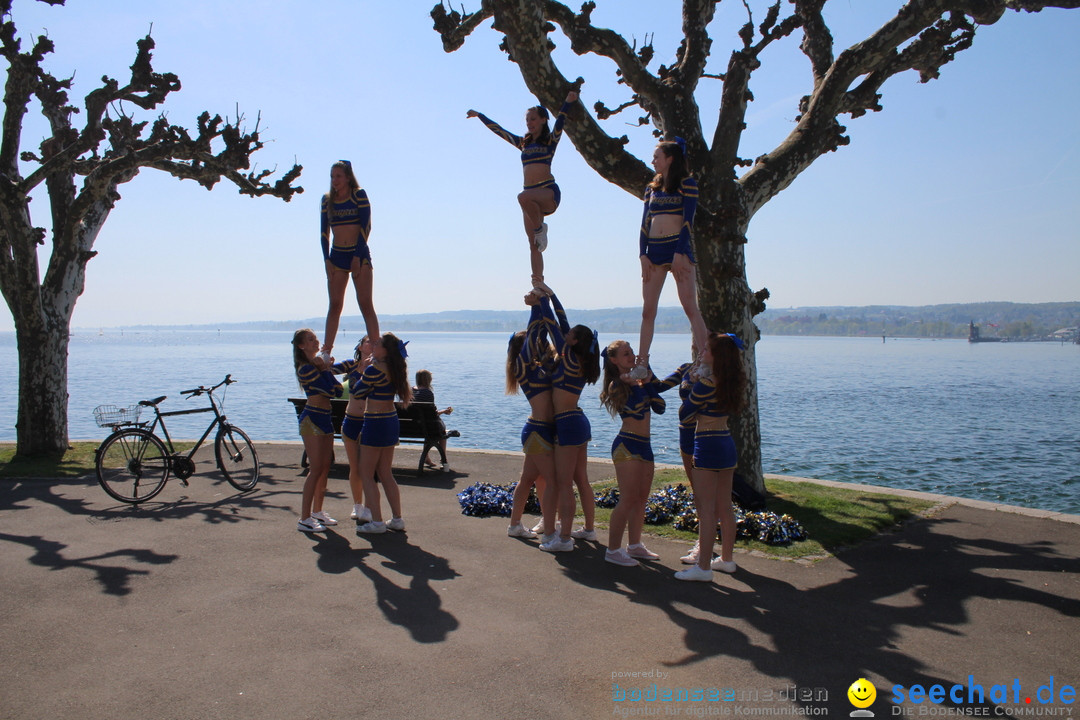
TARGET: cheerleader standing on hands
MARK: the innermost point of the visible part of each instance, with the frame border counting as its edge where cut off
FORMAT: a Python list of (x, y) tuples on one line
[(346, 217), (634, 401), (712, 400), (665, 244), (540, 196), (316, 427)]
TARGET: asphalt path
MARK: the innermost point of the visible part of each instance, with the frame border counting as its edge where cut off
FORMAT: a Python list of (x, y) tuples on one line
[(206, 603)]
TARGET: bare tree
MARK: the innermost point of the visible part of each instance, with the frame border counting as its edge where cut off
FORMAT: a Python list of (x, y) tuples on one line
[(923, 36), (110, 148)]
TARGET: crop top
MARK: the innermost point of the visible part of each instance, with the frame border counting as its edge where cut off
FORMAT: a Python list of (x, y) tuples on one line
[(531, 376), (318, 383), (354, 210), (534, 152), (683, 202), (374, 385), (350, 367), (701, 402), (569, 374), (643, 398)]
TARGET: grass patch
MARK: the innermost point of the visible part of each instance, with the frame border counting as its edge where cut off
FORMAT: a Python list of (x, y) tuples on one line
[(834, 518), (76, 462)]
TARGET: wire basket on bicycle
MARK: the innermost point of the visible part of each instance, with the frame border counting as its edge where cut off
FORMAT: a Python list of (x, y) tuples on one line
[(111, 415)]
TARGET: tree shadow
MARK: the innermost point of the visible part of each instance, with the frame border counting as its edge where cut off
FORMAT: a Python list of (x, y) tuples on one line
[(830, 635), (114, 579), (418, 607)]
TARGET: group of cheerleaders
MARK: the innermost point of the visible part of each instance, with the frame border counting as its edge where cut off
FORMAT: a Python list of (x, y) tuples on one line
[(550, 362)]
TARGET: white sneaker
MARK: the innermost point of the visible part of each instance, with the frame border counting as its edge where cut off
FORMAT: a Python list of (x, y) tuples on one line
[(540, 238), (520, 531), (445, 467), (311, 525), (641, 552), (371, 528), (360, 514), (557, 544), (690, 558), (694, 573), (583, 534), (726, 566), (396, 524), (538, 527), (325, 519), (619, 557)]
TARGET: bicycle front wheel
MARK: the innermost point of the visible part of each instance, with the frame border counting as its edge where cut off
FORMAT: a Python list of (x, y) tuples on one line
[(236, 458), (132, 465)]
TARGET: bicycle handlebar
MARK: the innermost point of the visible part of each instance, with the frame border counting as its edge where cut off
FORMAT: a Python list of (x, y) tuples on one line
[(196, 392)]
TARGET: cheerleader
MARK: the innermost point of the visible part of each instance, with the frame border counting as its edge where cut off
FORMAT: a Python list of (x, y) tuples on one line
[(385, 377), (541, 195), (577, 364), (634, 401), (713, 399), (316, 427)]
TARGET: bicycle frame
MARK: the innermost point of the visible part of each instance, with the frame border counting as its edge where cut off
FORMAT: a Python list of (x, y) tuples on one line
[(159, 417)]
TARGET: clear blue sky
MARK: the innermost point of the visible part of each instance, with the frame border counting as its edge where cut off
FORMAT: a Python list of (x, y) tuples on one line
[(962, 190)]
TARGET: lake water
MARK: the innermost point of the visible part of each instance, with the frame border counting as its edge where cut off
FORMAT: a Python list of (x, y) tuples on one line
[(996, 422)]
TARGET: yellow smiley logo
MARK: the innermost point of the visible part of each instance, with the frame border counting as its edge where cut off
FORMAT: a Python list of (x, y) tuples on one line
[(862, 693)]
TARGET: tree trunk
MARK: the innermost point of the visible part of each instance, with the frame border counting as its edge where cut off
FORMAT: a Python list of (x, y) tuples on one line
[(41, 427), (728, 305)]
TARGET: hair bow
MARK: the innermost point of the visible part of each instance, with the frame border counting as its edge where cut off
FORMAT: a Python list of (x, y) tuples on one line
[(401, 348), (346, 163), (681, 143), (595, 342), (735, 339), (603, 353), (511, 340)]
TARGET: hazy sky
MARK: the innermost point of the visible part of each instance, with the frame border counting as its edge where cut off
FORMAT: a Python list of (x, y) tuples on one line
[(962, 190)]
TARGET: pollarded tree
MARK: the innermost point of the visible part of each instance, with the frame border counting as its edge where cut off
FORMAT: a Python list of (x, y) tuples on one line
[(108, 149), (923, 36)]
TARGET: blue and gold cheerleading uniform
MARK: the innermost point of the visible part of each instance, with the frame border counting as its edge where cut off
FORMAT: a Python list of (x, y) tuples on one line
[(534, 153), (713, 449), (571, 427), (537, 436), (317, 383), (662, 250), (642, 400), (354, 210), (381, 429), (351, 425)]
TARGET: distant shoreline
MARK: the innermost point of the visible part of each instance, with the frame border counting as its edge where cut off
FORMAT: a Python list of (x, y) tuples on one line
[(1013, 321)]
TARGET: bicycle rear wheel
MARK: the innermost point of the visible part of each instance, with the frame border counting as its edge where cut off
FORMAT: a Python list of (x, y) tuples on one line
[(236, 457), (132, 465)]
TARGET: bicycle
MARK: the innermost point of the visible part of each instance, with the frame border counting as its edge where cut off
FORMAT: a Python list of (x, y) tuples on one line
[(133, 463)]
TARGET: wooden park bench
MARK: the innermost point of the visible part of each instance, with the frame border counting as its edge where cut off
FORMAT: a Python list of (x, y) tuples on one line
[(419, 426)]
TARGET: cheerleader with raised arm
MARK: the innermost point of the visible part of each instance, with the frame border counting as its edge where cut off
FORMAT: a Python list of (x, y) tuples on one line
[(529, 366), (577, 364), (713, 399), (665, 244), (634, 401), (541, 195), (385, 377)]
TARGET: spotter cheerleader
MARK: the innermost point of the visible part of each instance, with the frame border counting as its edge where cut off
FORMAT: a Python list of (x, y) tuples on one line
[(316, 427)]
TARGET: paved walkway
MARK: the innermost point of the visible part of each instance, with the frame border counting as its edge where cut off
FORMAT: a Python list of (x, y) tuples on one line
[(208, 605)]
